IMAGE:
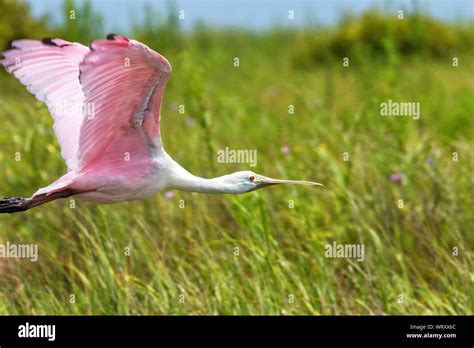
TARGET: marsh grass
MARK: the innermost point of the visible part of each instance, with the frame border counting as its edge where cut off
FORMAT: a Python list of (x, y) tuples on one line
[(253, 254)]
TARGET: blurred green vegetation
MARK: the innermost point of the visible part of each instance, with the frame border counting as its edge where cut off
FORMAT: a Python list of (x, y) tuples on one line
[(81, 24), (16, 22), (191, 251), (385, 37)]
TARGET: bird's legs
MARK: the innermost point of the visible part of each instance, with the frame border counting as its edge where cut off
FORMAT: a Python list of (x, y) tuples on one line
[(17, 204)]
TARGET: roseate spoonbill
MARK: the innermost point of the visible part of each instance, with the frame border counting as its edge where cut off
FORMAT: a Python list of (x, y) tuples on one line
[(111, 143)]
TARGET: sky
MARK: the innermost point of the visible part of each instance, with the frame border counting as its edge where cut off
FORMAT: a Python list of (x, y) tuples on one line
[(119, 15)]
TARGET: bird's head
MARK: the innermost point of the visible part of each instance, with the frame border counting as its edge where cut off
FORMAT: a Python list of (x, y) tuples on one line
[(246, 181)]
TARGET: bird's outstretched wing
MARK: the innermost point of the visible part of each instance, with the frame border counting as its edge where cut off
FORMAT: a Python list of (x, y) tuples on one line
[(124, 80), (50, 70)]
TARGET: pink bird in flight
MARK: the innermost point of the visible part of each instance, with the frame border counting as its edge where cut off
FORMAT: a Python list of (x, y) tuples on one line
[(111, 143)]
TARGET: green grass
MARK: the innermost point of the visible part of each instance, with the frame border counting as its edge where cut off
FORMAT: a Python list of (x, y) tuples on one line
[(191, 251)]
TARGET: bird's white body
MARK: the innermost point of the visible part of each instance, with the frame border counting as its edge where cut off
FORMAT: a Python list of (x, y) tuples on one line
[(117, 189)]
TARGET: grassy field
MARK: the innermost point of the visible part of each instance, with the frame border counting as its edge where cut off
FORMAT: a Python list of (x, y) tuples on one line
[(262, 252)]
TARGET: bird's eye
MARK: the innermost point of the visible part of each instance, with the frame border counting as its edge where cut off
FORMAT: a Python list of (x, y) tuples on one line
[(252, 178)]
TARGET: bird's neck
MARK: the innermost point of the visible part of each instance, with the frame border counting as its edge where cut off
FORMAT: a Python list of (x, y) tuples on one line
[(183, 180), (192, 183)]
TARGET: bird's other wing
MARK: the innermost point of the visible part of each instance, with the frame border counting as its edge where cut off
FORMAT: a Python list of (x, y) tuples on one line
[(50, 70), (125, 81)]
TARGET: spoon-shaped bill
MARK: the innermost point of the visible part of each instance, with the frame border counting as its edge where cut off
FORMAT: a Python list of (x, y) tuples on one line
[(264, 181)]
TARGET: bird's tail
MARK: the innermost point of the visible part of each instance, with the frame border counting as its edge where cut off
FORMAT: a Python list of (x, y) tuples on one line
[(17, 204)]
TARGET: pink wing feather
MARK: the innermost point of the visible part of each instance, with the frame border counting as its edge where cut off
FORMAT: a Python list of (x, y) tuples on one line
[(119, 81), (125, 81), (50, 70)]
